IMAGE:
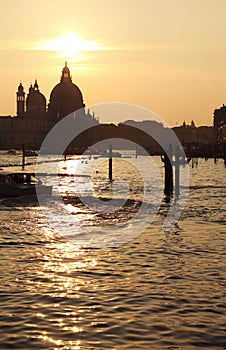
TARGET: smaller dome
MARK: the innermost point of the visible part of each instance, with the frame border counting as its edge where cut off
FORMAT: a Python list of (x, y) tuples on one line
[(36, 101)]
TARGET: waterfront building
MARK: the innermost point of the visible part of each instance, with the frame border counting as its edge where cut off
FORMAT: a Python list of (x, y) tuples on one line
[(220, 125), (34, 118), (189, 133)]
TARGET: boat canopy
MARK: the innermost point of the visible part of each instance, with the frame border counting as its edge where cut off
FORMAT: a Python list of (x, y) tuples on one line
[(18, 177)]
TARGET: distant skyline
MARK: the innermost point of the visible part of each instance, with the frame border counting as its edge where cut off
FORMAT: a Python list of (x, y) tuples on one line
[(166, 56)]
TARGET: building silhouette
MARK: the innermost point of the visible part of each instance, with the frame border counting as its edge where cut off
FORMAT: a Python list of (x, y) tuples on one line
[(34, 118), (220, 125)]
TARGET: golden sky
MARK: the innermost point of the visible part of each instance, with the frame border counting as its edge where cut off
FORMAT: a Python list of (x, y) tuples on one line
[(168, 56)]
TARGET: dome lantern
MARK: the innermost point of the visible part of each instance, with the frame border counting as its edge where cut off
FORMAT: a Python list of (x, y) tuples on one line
[(36, 87), (66, 75)]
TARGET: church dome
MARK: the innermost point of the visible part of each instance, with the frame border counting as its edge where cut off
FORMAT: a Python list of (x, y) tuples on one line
[(35, 101), (66, 94), (65, 97)]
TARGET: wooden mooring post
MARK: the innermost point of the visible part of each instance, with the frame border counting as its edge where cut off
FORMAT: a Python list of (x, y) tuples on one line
[(110, 163), (168, 166), (224, 153), (23, 157), (177, 172), (136, 152), (167, 160)]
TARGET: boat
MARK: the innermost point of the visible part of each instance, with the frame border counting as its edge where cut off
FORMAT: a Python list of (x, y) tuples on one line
[(19, 183), (30, 153), (12, 152), (105, 154)]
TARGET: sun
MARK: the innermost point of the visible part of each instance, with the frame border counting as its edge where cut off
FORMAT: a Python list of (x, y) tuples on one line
[(70, 45)]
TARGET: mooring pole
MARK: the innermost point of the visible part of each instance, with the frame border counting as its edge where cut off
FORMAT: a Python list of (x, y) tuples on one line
[(215, 153), (224, 151), (177, 172), (136, 152), (23, 156), (110, 163), (168, 171)]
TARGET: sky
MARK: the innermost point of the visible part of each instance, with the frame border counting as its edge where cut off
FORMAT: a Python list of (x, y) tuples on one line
[(166, 56)]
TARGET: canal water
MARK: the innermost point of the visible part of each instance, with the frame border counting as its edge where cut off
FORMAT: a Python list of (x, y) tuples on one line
[(152, 290)]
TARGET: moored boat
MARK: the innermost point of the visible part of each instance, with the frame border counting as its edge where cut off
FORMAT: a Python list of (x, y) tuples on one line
[(30, 153), (19, 183), (12, 152)]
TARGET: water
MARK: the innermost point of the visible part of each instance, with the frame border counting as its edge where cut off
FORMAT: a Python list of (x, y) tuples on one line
[(157, 291)]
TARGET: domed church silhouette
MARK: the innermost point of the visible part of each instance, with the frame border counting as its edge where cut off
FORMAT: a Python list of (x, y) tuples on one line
[(34, 118), (65, 97)]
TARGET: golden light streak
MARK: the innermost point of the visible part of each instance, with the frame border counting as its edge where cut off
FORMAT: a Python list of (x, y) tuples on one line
[(70, 45)]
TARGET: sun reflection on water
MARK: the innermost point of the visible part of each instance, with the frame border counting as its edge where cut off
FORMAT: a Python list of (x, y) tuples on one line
[(70, 344), (60, 279)]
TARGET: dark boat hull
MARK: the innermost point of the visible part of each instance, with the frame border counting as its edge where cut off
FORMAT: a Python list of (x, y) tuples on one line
[(11, 190)]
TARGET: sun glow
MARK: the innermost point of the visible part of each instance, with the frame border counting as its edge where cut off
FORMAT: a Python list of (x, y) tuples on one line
[(70, 45)]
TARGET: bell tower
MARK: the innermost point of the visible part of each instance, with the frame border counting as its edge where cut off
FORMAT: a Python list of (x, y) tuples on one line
[(20, 99)]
